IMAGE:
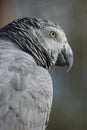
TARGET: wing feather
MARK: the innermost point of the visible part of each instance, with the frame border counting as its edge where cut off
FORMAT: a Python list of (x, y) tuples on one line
[(25, 92)]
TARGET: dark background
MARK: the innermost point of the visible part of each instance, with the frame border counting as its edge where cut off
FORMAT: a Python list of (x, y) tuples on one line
[(69, 110)]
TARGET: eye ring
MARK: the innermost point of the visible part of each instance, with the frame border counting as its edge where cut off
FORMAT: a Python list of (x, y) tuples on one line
[(53, 34)]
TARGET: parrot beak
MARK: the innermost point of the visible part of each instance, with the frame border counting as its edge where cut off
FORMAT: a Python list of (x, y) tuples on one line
[(65, 57)]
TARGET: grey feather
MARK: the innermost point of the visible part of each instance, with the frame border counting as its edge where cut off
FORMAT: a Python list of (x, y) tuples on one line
[(27, 51), (25, 91)]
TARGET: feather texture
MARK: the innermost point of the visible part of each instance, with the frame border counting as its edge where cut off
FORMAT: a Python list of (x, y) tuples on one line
[(27, 51), (25, 91)]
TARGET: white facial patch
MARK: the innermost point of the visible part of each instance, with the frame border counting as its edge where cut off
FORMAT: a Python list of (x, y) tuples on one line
[(57, 42)]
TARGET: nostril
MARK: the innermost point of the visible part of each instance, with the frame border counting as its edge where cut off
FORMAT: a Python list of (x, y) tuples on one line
[(63, 46), (65, 41)]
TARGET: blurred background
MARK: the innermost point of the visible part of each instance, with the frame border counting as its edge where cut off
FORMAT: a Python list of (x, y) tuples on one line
[(69, 109)]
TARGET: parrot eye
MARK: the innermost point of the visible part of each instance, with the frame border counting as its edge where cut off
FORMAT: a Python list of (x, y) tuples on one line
[(53, 34)]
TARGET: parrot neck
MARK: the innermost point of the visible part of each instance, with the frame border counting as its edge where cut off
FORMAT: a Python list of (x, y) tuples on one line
[(28, 44)]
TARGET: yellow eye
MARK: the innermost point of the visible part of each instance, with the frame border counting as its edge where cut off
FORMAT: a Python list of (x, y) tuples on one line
[(53, 34)]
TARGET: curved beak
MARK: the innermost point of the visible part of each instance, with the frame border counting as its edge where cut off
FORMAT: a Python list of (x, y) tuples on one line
[(65, 57)]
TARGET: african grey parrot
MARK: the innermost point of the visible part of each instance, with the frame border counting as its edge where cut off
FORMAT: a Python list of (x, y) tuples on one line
[(28, 49)]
